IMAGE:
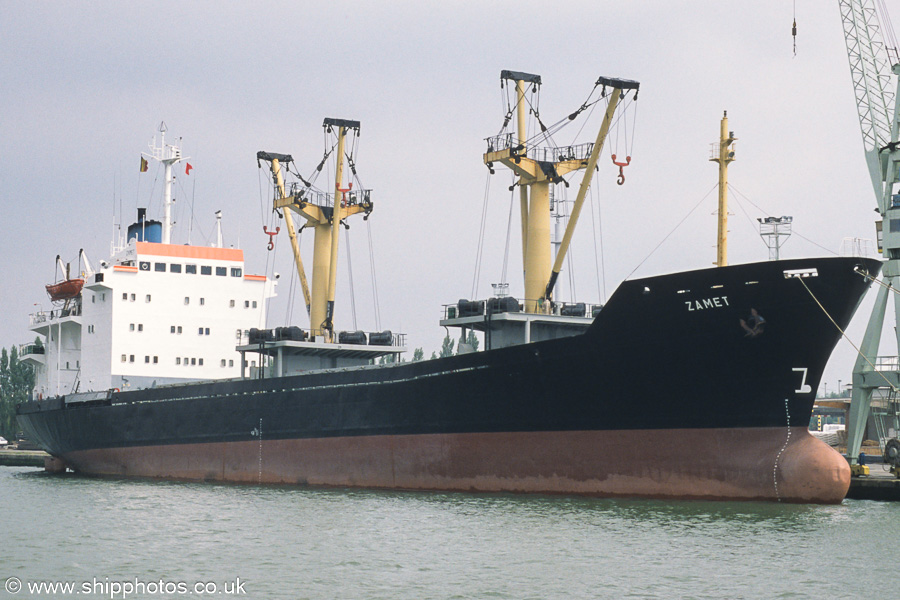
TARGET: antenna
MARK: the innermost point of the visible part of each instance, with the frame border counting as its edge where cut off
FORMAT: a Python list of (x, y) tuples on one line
[(168, 155), (218, 229)]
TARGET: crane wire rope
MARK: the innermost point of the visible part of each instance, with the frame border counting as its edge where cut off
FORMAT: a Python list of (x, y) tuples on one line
[(571, 266), (479, 248), (887, 28), (350, 277), (546, 134), (599, 261), (512, 202), (563, 212), (292, 288), (374, 279), (352, 157)]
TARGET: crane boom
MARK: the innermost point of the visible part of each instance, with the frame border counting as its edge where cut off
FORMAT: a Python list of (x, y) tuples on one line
[(870, 71)]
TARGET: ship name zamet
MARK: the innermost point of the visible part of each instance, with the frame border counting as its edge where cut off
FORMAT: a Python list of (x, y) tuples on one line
[(714, 302)]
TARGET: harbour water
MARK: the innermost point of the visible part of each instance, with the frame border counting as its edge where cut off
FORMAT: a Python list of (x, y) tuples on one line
[(144, 539)]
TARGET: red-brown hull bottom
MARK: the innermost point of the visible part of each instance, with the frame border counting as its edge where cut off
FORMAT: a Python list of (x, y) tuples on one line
[(733, 464)]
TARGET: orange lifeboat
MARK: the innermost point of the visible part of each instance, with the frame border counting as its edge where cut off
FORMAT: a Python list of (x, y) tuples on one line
[(70, 288)]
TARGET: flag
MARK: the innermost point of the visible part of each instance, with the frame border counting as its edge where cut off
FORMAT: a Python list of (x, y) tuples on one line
[(143, 165), (187, 168)]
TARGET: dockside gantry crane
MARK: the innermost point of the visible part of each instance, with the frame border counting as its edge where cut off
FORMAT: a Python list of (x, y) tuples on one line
[(873, 69)]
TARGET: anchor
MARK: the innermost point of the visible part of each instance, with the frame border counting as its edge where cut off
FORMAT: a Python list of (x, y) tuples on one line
[(621, 166), (271, 235)]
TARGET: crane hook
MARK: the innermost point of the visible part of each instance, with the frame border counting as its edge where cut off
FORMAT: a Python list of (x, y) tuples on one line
[(344, 194), (271, 235), (621, 179)]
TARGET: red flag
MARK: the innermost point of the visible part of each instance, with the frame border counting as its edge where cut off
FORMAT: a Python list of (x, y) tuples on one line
[(187, 168), (143, 165)]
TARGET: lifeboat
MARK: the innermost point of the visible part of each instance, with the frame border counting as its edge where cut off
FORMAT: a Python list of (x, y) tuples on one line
[(70, 288)]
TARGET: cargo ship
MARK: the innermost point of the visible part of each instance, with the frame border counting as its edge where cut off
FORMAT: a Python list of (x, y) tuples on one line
[(697, 384)]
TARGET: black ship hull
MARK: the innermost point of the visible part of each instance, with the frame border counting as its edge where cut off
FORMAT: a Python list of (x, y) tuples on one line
[(691, 385)]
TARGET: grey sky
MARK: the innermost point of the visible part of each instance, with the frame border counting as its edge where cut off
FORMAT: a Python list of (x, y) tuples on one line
[(85, 85)]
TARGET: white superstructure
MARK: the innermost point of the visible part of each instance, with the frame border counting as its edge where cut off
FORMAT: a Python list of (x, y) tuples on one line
[(161, 313), (155, 313)]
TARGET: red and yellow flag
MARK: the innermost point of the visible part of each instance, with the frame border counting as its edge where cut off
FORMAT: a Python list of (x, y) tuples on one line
[(143, 165)]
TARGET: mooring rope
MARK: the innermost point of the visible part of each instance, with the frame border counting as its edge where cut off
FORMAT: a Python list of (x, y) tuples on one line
[(887, 286), (855, 347)]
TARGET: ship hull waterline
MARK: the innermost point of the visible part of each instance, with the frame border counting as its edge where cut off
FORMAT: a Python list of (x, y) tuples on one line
[(678, 463), (669, 393)]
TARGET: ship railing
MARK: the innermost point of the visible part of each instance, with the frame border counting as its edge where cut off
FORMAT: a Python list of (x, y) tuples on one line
[(361, 197), (72, 311), (499, 142), (550, 154), (887, 363), (715, 150), (561, 154), (57, 313), (30, 349), (507, 304)]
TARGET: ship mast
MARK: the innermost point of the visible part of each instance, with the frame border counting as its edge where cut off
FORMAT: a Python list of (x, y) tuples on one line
[(333, 228), (325, 213), (168, 155), (723, 153), (537, 168)]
